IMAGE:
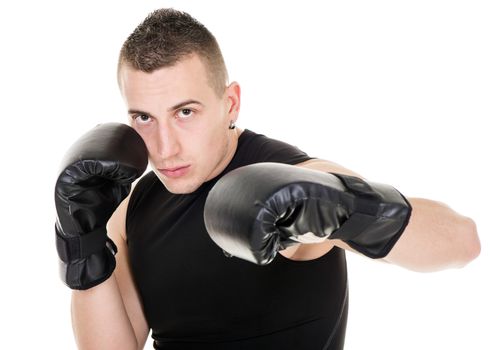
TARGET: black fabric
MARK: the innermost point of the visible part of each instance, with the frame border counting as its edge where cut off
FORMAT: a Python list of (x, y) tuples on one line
[(194, 297)]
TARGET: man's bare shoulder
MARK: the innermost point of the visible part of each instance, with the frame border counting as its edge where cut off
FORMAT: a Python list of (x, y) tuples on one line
[(117, 223), (327, 166)]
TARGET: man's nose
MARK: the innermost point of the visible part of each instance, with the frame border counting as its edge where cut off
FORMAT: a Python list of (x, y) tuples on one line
[(167, 142)]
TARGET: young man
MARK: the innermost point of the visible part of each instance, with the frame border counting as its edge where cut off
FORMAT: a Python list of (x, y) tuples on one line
[(169, 275)]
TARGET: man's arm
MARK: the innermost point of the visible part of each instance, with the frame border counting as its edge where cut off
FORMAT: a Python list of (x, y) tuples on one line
[(435, 238), (110, 315), (116, 229)]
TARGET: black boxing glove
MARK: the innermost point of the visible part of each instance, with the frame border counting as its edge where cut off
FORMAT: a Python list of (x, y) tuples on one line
[(256, 210), (96, 175)]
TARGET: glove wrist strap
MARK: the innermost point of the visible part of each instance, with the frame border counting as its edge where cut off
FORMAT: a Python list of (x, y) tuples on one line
[(79, 247)]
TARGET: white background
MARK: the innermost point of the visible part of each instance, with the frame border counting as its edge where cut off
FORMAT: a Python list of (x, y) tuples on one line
[(395, 90)]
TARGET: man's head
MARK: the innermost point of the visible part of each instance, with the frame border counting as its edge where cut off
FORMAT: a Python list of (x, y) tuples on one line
[(165, 37), (174, 81)]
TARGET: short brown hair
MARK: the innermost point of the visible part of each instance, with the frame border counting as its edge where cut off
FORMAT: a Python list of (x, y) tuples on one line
[(167, 36)]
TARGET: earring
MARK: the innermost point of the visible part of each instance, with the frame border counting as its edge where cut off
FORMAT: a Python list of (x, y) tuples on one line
[(232, 125)]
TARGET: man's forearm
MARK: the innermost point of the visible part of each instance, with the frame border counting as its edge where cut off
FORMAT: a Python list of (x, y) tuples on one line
[(100, 320), (436, 238)]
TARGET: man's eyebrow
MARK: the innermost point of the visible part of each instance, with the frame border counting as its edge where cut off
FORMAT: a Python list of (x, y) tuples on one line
[(182, 104), (173, 108), (135, 111)]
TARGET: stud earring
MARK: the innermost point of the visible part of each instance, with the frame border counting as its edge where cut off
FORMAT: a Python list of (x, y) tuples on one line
[(232, 125)]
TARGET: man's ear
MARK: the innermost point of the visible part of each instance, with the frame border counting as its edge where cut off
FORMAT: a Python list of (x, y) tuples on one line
[(233, 100)]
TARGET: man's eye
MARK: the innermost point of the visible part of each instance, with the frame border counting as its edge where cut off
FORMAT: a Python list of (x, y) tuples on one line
[(185, 113), (141, 117)]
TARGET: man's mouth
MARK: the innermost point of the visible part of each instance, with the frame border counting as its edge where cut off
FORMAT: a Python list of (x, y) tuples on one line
[(174, 172)]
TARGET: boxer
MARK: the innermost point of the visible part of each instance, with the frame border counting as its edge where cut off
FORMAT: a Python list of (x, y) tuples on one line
[(262, 200)]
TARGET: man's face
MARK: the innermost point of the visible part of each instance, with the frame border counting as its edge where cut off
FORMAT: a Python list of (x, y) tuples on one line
[(183, 122)]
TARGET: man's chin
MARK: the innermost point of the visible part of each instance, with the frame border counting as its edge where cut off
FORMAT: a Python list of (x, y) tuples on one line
[(179, 186)]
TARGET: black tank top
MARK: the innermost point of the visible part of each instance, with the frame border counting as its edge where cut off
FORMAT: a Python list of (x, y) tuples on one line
[(196, 298)]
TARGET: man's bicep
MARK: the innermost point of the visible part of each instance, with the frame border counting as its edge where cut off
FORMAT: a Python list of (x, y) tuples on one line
[(116, 230)]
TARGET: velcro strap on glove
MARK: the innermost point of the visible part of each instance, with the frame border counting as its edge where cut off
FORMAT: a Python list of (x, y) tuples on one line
[(73, 248), (366, 208)]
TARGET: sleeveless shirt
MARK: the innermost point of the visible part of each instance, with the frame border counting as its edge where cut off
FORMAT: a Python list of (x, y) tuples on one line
[(194, 297)]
